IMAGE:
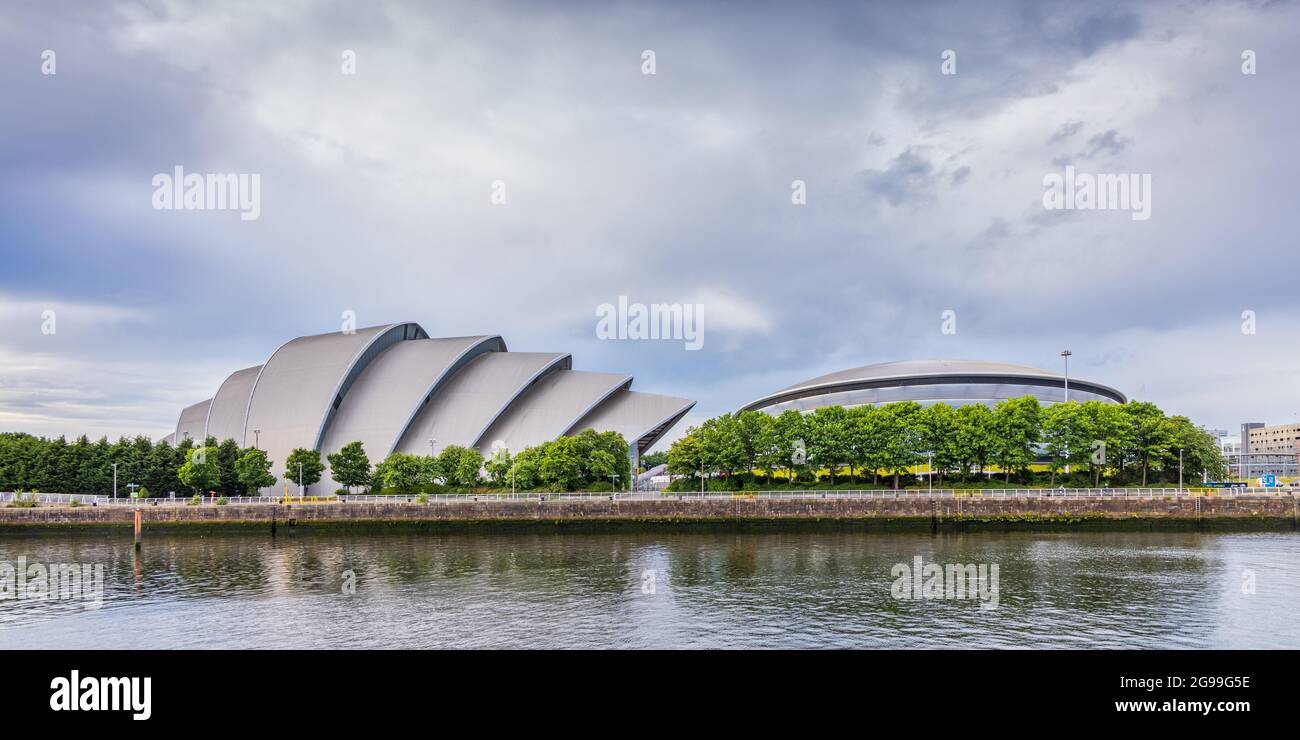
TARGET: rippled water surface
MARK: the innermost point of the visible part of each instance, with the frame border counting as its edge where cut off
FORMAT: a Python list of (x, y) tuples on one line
[(803, 590)]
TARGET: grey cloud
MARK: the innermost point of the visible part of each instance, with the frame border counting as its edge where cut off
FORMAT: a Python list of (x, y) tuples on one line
[(1065, 131), (375, 188)]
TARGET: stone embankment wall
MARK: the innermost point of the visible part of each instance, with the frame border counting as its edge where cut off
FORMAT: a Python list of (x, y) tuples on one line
[(1277, 512)]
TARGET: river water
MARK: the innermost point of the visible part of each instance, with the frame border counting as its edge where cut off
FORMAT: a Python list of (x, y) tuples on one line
[(789, 590)]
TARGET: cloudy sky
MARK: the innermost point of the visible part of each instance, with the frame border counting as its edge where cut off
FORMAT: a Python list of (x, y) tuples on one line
[(924, 192)]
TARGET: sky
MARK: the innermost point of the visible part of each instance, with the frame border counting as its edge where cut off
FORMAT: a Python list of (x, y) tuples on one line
[(924, 192)]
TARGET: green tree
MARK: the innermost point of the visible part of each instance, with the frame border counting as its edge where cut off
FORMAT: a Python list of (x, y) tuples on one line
[(828, 438), (938, 436), (527, 467), (1016, 433), (975, 438), (561, 466), (254, 471), (1058, 433), (791, 430), (303, 467), (686, 454), (1150, 431), (402, 471), (350, 466), (200, 471), (459, 466), (228, 454), (902, 437), (1104, 427), (498, 465), (722, 446)]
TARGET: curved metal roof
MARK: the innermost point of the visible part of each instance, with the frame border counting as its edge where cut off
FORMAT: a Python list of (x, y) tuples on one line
[(918, 372), (393, 388), (385, 399), (192, 421), (550, 408), (642, 418), (169, 439), (299, 389), (468, 404), (226, 415)]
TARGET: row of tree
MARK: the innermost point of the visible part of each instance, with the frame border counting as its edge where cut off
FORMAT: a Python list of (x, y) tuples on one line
[(589, 460), (1121, 444), (29, 463)]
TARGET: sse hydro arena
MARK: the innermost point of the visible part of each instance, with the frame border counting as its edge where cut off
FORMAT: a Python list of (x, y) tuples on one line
[(954, 382), (395, 389)]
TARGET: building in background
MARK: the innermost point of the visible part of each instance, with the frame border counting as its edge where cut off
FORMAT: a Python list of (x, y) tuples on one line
[(1265, 450), (396, 389), (954, 382)]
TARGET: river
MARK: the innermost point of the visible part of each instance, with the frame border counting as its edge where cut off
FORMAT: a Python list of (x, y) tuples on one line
[(338, 589)]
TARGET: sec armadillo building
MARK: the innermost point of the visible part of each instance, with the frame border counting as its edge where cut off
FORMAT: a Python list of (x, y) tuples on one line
[(396, 389)]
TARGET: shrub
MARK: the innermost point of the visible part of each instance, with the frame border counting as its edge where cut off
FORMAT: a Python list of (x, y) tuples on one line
[(341, 492), (222, 501), (195, 500), (75, 503), (600, 486), (422, 498), (20, 502)]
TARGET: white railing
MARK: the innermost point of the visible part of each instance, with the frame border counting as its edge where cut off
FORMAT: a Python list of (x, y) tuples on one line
[(65, 499)]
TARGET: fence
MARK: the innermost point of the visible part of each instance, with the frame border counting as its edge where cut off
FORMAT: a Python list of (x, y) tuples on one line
[(65, 499)]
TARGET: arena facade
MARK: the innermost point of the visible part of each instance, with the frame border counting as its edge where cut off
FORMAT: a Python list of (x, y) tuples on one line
[(954, 382), (396, 389)]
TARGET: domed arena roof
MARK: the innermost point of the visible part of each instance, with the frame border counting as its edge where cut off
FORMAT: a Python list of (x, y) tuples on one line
[(934, 373)]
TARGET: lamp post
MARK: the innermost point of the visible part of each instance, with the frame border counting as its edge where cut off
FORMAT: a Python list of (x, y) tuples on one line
[(1065, 354), (929, 471), (114, 481), (257, 439), (301, 489), (432, 441)]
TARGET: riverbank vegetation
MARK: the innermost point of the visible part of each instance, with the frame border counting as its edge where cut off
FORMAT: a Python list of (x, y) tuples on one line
[(895, 445), (588, 461)]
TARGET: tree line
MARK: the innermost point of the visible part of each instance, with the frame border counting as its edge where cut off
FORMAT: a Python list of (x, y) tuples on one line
[(589, 461), (1119, 444)]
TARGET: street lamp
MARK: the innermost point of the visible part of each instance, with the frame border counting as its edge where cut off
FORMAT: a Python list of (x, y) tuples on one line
[(1065, 354), (432, 442), (257, 439), (301, 490), (114, 481), (929, 470)]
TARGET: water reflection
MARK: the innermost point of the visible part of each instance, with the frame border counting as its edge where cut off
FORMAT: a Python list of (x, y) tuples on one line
[(661, 590)]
